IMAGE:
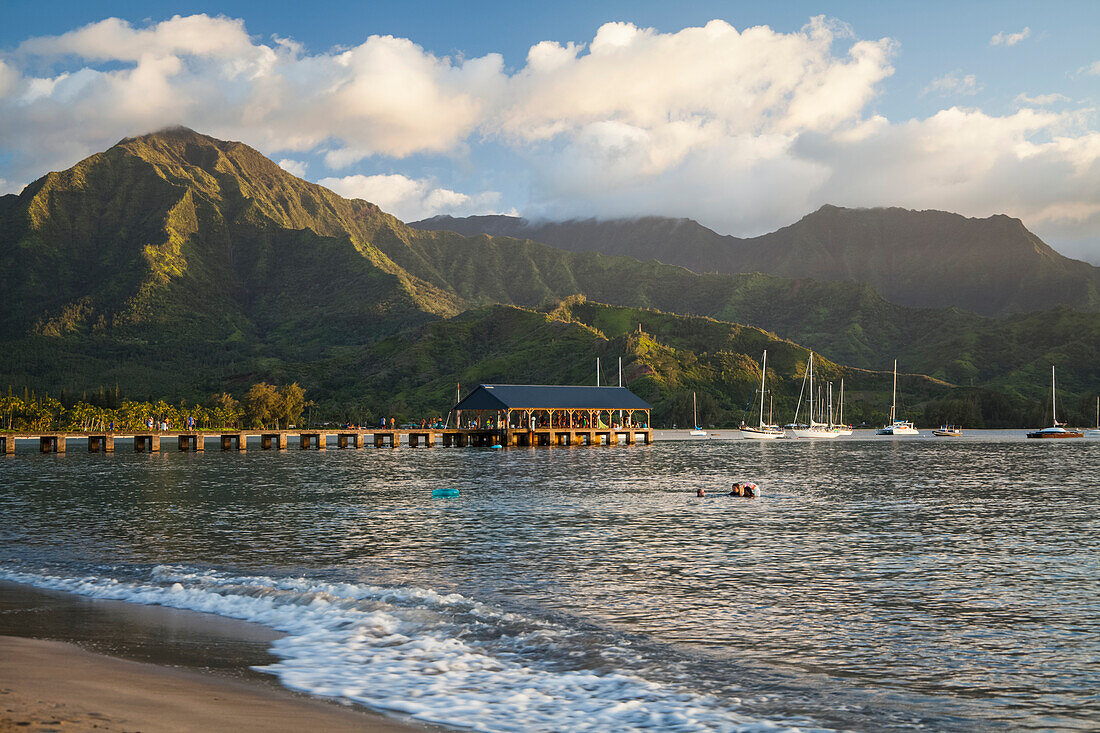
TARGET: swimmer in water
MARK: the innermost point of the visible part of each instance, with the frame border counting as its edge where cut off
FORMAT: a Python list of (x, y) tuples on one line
[(701, 493), (737, 491), (750, 491)]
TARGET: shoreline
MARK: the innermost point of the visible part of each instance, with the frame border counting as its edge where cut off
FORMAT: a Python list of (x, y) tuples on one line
[(68, 664)]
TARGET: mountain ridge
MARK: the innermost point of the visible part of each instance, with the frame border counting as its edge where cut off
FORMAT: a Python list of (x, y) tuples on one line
[(992, 266), (178, 262)]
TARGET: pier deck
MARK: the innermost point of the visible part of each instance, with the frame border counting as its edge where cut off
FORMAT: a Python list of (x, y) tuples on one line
[(316, 439)]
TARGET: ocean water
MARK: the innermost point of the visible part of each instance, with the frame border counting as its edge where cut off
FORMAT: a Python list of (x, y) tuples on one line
[(909, 583)]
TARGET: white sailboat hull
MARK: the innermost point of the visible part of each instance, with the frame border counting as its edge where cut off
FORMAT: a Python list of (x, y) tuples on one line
[(816, 433), (758, 434)]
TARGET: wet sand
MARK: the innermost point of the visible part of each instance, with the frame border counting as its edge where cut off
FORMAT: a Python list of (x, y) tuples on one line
[(74, 663), (56, 686)]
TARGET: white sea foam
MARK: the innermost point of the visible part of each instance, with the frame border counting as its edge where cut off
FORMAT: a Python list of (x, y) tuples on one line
[(439, 658)]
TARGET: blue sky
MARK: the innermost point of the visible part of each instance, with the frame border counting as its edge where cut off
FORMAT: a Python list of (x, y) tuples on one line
[(916, 105)]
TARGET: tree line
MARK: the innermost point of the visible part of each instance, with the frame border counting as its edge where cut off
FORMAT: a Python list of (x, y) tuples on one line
[(263, 406)]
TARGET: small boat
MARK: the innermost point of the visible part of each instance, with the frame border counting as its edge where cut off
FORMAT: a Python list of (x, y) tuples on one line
[(897, 427), (697, 432), (1057, 430), (948, 431), (762, 431), (814, 429)]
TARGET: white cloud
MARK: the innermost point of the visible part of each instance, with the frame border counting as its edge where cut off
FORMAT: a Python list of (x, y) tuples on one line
[(954, 84), (386, 96), (712, 78), (1041, 100), (1009, 39), (116, 40), (1093, 68), (295, 167), (410, 199), (745, 130)]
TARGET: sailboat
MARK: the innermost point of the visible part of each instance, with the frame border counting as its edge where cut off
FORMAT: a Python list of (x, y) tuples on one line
[(1097, 430), (838, 427), (813, 429), (897, 427), (1056, 430), (696, 432), (762, 431)]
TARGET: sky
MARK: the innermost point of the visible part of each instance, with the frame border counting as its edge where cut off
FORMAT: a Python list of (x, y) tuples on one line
[(743, 116)]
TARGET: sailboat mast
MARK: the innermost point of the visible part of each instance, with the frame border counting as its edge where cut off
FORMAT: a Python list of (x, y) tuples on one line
[(1053, 400), (840, 407), (763, 373), (830, 404), (801, 394), (894, 399), (811, 389), (694, 412)]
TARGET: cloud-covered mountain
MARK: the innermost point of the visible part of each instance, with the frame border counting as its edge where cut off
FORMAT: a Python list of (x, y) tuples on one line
[(928, 259)]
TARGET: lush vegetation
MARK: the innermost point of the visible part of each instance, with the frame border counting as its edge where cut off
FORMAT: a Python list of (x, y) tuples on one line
[(264, 405), (175, 266), (993, 266)]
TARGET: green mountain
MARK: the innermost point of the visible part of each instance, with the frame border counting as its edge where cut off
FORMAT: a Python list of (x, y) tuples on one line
[(666, 358), (178, 265), (929, 259)]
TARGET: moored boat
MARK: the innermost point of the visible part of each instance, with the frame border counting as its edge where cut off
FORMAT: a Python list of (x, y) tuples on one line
[(948, 431), (762, 431), (696, 432), (814, 429), (838, 425), (895, 426), (1057, 430)]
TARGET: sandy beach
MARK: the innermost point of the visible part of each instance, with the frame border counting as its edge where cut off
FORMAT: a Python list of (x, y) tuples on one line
[(56, 686)]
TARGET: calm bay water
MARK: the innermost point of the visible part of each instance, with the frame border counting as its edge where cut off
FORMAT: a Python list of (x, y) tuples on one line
[(912, 583)]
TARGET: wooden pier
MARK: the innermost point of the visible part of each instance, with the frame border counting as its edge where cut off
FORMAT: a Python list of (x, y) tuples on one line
[(355, 438), (507, 415)]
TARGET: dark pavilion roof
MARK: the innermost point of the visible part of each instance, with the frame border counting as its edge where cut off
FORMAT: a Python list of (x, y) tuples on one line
[(551, 397)]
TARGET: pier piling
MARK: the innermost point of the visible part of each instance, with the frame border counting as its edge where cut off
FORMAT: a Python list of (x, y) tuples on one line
[(52, 443), (147, 443), (308, 440), (104, 443), (191, 442)]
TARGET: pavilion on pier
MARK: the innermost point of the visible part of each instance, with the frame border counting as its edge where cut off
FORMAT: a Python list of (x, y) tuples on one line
[(540, 406)]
